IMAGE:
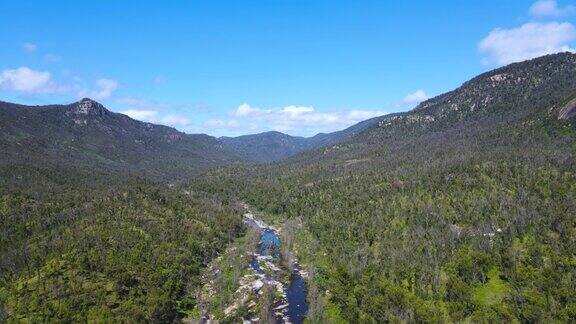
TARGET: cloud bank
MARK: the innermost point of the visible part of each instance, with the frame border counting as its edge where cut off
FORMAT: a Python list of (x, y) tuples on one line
[(415, 98), (532, 39), (152, 112), (26, 80), (504, 46), (304, 120)]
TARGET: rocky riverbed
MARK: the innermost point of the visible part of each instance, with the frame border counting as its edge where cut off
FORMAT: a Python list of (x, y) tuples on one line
[(267, 290)]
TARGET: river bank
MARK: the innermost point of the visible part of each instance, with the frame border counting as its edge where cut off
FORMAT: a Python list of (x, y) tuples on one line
[(253, 281)]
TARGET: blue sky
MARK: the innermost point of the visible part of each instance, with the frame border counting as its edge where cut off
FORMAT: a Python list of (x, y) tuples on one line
[(238, 67)]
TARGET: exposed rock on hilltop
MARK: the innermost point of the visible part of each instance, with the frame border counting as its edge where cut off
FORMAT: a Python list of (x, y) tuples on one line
[(86, 134), (88, 106)]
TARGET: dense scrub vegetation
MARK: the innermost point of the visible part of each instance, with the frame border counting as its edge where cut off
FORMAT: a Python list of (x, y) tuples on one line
[(86, 134), (417, 249), (80, 248), (461, 210), (458, 216)]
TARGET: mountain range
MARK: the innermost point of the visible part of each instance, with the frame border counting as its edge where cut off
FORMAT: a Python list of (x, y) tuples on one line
[(274, 146), (86, 134), (460, 210)]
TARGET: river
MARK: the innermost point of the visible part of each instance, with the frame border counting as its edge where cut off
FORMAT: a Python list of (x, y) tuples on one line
[(293, 307)]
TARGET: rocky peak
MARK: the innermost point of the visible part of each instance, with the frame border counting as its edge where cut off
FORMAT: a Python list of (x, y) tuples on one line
[(88, 106)]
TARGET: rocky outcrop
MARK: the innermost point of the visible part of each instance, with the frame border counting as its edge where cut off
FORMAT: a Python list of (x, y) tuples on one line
[(90, 107), (568, 111)]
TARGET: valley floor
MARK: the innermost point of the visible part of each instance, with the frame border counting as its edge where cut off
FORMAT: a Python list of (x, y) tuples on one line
[(266, 288)]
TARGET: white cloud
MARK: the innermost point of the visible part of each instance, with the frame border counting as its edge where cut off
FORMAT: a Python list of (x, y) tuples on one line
[(153, 116), (361, 115), (24, 79), (415, 98), (504, 46), (29, 47), (303, 120), (297, 111), (104, 89), (245, 110), (550, 8), (294, 115), (143, 115), (152, 112)]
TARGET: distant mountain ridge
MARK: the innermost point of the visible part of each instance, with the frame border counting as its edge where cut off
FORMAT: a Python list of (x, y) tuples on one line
[(267, 146), (507, 93), (274, 146), (528, 96), (85, 134), (460, 210), (428, 215)]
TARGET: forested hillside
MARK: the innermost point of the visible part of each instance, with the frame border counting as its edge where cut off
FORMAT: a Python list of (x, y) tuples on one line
[(462, 209), (92, 227), (78, 247), (85, 134), (275, 146), (266, 147)]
